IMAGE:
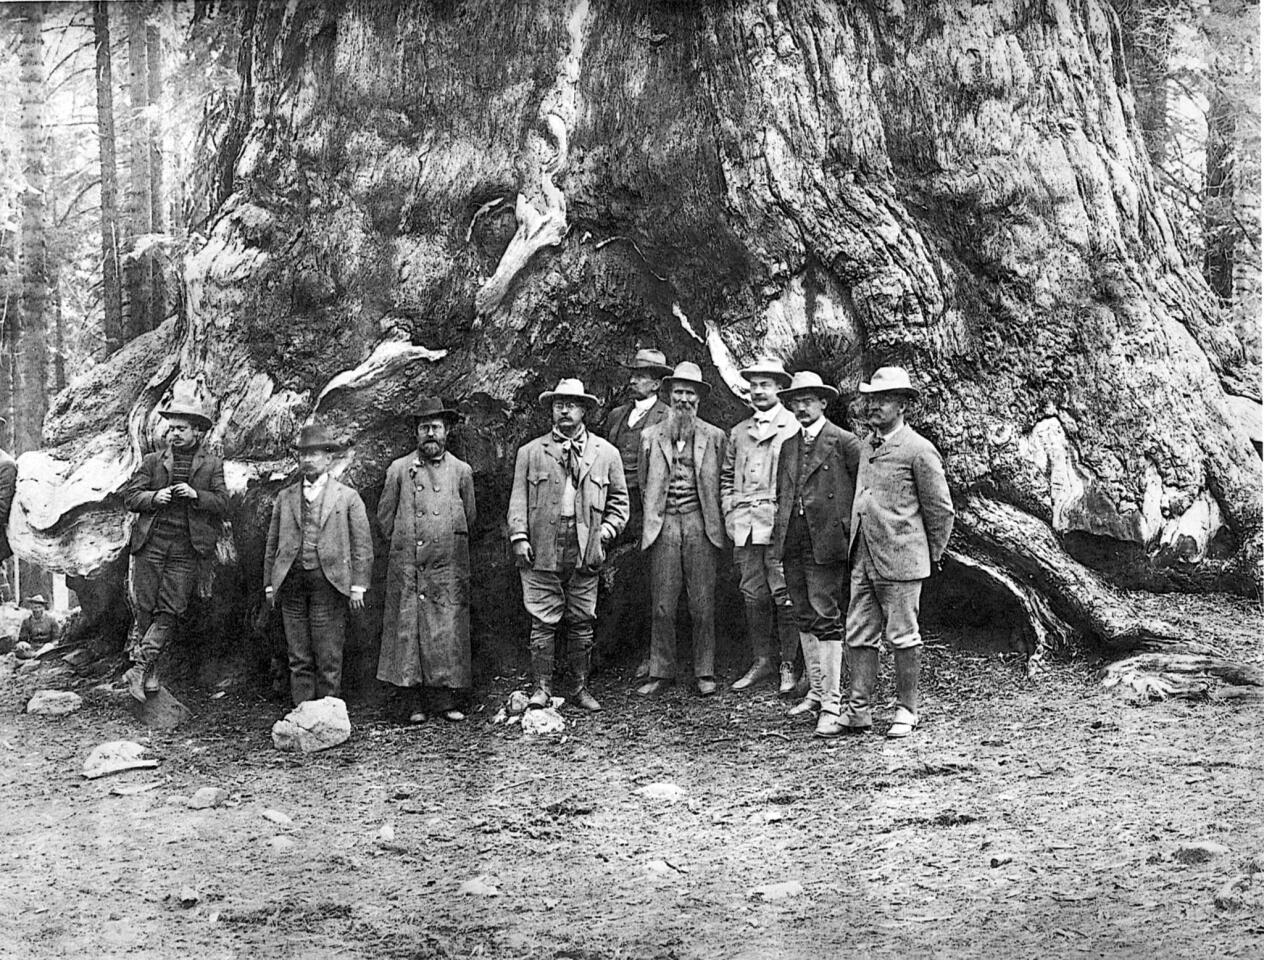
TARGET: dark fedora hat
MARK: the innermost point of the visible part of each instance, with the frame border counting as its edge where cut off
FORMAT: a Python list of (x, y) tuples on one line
[(650, 361), (428, 407), (316, 436)]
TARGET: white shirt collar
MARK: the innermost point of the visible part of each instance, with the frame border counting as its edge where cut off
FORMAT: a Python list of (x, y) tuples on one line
[(815, 429), (641, 409), (312, 489), (887, 436), (766, 416)]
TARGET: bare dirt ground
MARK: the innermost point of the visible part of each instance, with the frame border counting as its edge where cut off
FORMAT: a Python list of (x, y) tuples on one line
[(1021, 820)]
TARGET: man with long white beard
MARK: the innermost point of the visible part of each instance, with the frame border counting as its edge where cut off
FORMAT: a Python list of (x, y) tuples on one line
[(683, 527)]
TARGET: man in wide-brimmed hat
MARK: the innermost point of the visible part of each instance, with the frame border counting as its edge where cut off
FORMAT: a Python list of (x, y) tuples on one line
[(39, 628), (181, 500), (317, 565), (748, 488), (683, 531), (427, 515), (626, 612), (900, 523), (569, 502), (8, 487), (816, 483)]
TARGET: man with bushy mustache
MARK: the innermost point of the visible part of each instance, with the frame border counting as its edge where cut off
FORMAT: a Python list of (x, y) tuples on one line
[(683, 528)]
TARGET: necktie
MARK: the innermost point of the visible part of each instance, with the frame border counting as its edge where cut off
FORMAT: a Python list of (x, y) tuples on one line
[(572, 453)]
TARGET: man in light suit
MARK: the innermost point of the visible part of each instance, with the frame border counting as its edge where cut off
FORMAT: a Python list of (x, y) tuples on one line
[(181, 499), (318, 562), (816, 483), (683, 529), (569, 502), (900, 523), (748, 494)]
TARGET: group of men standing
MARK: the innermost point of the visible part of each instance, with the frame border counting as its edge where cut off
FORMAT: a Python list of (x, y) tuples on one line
[(808, 507)]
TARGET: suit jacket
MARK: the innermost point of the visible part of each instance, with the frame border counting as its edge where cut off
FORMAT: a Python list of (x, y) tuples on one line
[(345, 545), (535, 504), (8, 485), (206, 513), (902, 505), (658, 454), (829, 488), (748, 479)]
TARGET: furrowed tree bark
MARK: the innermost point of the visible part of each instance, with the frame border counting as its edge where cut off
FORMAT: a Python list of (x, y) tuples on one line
[(473, 200), (138, 202), (157, 197), (111, 289)]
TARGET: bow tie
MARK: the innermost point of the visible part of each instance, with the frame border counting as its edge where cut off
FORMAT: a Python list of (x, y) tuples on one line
[(876, 440)]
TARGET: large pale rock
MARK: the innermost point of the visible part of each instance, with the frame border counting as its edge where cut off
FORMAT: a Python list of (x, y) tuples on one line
[(54, 703), (313, 725), (114, 756)]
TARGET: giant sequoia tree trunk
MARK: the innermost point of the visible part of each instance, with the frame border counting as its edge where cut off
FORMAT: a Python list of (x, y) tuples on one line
[(470, 199)]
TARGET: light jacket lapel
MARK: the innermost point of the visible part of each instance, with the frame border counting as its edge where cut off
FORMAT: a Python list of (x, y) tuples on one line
[(699, 452), (590, 455), (327, 498), (293, 497)]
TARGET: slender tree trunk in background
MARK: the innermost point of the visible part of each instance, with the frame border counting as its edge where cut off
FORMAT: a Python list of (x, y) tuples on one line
[(157, 211), (137, 201), (1220, 233), (59, 340), (111, 291), (1147, 33)]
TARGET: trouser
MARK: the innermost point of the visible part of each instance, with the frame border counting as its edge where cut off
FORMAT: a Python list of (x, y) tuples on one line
[(624, 619), (164, 572), (682, 556), (768, 603), (817, 589), (315, 618), (881, 608), (566, 595)]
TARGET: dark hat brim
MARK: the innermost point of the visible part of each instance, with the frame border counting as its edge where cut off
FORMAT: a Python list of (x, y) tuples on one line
[(653, 369), (911, 392), (452, 416), (824, 391)]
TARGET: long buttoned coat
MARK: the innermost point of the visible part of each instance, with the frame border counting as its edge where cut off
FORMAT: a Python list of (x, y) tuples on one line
[(658, 456), (902, 505), (344, 546), (748, 479), (535, 506), (206, 476), (829, 487), (426, 513)]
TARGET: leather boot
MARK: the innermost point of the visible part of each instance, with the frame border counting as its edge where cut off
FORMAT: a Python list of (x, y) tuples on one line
[(135, 681), (759, 620), (864, 672), (579, 669), (830, 722), (542, 669), (908, 668), (811, 697), (151, 683), (786, 685)]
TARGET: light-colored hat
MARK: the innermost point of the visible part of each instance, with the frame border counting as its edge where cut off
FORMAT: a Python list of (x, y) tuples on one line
[(691, 374), (805, 381), (768, 367), (651, 361), (568, 388), (189, 411), (38, 598), (889, 380)]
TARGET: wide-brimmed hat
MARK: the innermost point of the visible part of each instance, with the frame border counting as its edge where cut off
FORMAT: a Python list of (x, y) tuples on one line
[(316, 436), (890, 380), (428, 407), (190, 411), (805, 381), (691, 374), (568, 388), (38, 598), (768, 367), (651, 361)]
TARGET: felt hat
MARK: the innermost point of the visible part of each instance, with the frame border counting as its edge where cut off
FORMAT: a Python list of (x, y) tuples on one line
[(651, 361), (316, 436), (805, 381), (889, 380), (428, 407), (689, 374), (768, 367), (189, 411), (38, 598), (568, 388)]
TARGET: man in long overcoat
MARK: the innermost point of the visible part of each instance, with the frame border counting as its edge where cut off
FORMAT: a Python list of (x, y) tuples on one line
[(317, 565), (426, 513), (816, 483), (684, 527), (748, 491), (901, 520), (569, 502)]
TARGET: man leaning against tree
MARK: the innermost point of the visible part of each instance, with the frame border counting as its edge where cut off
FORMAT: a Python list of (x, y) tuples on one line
[(900, 523), (427, 514), (569, 502)]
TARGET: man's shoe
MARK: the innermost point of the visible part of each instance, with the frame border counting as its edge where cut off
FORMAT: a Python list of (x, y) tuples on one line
[(540, 699), (642, 670), (786, 686), (706, 686), (904, 723), (655, 686), (586, 701), (761, 669), (806, 705), (135, 680), (151, 684), (829, 725)]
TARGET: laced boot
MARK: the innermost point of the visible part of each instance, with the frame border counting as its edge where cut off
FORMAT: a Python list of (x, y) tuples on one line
[(908, 668), (830, 723), (864, 672), (786, 685), (811, 697)]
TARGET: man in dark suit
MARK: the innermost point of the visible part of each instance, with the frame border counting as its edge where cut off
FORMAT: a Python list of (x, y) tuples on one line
[(900, 523), (816, 482), (318, 562), (180, 495), (625, 612), (683, 530)]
